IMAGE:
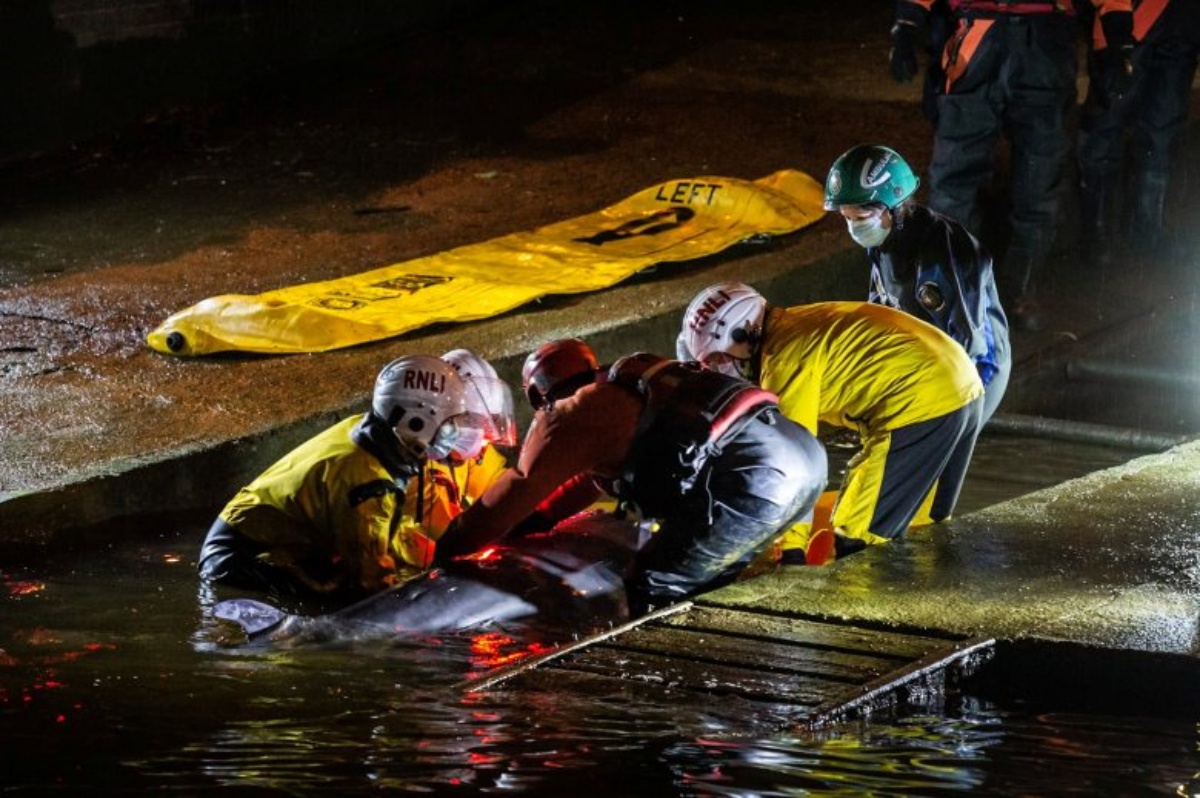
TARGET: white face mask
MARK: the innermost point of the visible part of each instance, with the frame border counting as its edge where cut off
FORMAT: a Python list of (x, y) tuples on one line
[(444, 440), (868, 232), (470, 443), (722, 363)]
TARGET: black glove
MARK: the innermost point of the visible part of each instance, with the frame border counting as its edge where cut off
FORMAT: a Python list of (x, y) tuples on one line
[(903, 57), (1117, 58), (535, 522), (792, 557)]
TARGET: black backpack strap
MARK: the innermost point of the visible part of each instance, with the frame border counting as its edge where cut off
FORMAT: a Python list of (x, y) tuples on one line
[(373, 490)]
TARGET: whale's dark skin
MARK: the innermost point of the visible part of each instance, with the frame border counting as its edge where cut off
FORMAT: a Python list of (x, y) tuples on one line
[(571, 577)]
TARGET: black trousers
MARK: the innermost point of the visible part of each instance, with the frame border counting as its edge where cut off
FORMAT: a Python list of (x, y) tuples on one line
[(768, 476), (1153, 112), (1020, 84)]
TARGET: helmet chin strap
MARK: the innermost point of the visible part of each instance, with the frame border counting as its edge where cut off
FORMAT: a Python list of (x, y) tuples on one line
[(756, 346), (377, 437), (897, 217)]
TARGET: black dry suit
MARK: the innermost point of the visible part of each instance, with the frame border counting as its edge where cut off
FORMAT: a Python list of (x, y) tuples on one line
[(720, 468)]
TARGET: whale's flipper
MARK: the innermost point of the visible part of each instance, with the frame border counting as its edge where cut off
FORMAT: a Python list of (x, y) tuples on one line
[(253, 616)]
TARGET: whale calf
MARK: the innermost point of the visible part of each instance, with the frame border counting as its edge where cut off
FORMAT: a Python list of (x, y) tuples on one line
[(571, 577)]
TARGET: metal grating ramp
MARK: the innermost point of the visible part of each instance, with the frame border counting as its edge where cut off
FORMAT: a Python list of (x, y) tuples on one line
[(820, 670)]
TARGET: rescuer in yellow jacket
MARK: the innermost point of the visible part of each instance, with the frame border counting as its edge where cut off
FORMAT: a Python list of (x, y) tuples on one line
[(447, 487), (907, 388), (359, 506)]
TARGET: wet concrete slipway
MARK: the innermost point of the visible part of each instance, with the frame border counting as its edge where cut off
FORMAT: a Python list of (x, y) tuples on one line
[(528, 115)]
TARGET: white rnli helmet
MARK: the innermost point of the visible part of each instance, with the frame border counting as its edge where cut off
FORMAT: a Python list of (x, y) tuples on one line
[(424, 401), (489, 399), (722, 327)]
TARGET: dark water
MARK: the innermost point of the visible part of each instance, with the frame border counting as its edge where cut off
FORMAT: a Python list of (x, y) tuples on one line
[(113, 680)]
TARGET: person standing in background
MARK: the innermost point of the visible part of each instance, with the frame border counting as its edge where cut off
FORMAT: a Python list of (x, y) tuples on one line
[(1147, 118), (1010, 69)]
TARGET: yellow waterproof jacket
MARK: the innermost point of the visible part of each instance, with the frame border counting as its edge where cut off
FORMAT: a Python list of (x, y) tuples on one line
[(862, 366), (448, 490), (331, 514)]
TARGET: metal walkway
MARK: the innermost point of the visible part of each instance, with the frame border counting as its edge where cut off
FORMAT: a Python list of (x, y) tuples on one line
[(809, 670)]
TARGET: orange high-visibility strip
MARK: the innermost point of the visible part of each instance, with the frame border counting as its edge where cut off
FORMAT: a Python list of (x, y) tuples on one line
[(1105, 6), (962, 46), (1145, 15)]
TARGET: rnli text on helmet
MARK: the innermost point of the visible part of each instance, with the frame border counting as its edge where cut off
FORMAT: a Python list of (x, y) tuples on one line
[(708, 309), (424, 381)]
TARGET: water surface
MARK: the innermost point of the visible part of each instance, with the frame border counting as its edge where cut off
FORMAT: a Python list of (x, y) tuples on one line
[(113, 680)]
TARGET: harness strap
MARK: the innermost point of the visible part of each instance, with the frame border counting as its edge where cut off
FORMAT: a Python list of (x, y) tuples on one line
[(742, 406), (372, 490), (961, 48), (1145, 15)]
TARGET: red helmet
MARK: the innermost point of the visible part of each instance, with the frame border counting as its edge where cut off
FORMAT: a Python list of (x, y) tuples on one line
[(556, 366)]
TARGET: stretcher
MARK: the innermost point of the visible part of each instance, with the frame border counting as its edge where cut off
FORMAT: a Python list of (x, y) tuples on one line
[(677, 220)]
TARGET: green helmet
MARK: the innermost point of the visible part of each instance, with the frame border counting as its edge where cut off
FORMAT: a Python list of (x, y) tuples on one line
[(869, 174)]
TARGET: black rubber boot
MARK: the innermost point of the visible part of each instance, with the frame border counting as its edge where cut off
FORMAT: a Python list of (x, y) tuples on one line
[(845, 546), (792, 557)]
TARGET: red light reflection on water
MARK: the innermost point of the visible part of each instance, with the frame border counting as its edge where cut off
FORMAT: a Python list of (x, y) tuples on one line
[(18, 588), (483, 555), (33, 681), (494, 649), (83, 651)]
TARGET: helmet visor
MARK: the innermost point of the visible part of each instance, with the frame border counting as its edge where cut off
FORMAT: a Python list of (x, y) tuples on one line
[(447, 438), (490, 403), (682, 350)]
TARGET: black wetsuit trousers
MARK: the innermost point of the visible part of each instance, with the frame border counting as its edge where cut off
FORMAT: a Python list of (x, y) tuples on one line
[(764, 479)]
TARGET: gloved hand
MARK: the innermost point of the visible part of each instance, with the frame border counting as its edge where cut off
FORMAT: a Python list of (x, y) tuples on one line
[(1117, 57), (903, 57), (535, 522)]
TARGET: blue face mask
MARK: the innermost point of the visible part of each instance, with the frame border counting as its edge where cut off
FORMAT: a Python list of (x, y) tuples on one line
[(868, 232)]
